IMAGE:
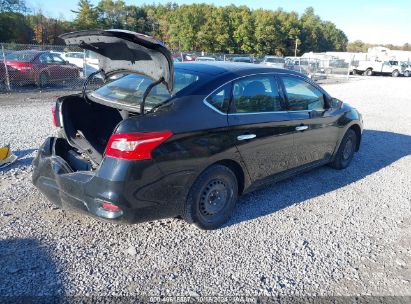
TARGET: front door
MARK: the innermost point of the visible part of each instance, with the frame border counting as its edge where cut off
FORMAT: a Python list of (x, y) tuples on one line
[(314, 123), (259, 125)]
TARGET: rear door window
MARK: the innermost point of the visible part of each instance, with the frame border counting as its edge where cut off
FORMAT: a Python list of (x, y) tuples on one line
[(301, 95), (46, 58), (221, 98), (57, 59), (256, 94)]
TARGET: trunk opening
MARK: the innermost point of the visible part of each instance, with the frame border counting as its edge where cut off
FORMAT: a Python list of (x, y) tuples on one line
[(88, 126)]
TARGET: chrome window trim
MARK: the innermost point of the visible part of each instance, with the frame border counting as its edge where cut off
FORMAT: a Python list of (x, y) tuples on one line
[(251, 113)]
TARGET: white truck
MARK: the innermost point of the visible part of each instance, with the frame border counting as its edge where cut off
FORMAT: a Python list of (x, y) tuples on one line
[(369, 68)]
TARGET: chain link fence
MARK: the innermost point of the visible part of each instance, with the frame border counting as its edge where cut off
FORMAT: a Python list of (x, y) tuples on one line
[(29, 67)]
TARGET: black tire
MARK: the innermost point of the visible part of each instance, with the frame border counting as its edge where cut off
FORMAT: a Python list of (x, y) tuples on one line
[(395, 73), (346, 151), (354, 72), (212, 198), (407, 73), (368, 72), (43, 80)]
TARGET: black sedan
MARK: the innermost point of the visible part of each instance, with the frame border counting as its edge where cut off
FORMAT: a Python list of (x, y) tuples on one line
[(171, 139)]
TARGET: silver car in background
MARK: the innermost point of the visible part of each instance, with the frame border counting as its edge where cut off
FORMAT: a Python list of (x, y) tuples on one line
[(274, 61)]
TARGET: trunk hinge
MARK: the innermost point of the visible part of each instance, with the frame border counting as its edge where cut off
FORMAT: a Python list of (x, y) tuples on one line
[(147, 91), (88, 80)]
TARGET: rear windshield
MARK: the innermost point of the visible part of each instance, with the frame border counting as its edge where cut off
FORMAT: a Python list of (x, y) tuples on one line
[(275, 60), (21, 56), (129, 89)]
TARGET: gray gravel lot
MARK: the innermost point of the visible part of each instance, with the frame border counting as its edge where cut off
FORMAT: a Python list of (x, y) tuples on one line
[(325, 232)]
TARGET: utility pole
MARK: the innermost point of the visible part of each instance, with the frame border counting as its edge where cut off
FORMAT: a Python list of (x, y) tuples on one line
[(296, 45)]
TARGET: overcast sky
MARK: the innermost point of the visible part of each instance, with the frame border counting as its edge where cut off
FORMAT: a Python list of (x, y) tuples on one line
[(373, 21)]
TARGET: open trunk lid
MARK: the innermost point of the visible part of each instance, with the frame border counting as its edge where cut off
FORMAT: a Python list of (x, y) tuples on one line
[(121, 51)]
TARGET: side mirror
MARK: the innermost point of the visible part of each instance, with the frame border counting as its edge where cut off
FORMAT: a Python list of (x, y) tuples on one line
[(335, 103)]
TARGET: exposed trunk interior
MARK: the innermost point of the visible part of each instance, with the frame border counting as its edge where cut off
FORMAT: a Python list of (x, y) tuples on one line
[(88, 125)]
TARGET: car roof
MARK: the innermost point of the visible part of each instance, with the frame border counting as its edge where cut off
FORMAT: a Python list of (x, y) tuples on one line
[(216, 68)]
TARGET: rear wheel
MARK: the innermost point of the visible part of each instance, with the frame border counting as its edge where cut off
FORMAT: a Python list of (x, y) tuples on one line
[(43, 80), (368, 72), (395, 73), (212, 198), (346, 151)]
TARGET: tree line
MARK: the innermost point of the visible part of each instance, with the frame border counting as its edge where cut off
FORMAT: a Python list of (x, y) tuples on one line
[(194, 27)]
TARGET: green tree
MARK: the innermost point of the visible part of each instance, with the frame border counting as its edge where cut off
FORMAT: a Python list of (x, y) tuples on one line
[(112, 14), (16, 6), (269, 34), (86, 16), (14, 28), (241, 29)]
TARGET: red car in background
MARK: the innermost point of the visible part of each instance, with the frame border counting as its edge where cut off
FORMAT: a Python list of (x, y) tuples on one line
[(39, 67)]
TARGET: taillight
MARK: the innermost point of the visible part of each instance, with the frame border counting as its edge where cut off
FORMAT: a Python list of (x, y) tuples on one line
[(135, 146), (54, 113), (110, 207)]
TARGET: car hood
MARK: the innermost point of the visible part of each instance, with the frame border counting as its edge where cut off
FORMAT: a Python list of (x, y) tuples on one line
[(120, 51)]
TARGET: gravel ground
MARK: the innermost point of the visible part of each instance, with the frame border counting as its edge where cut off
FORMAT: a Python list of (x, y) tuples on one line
[(325, 232)]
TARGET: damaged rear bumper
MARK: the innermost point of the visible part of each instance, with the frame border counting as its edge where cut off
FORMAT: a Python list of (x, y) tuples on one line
[(140, 198)]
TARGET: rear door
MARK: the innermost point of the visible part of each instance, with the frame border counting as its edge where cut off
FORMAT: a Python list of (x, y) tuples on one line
[(45, 63), (314, 124), (259, 125)]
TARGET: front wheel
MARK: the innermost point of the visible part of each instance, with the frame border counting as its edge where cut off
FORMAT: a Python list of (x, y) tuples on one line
[(212, 198), (395, 73), (346, 151), (368, 72), (407, 73)]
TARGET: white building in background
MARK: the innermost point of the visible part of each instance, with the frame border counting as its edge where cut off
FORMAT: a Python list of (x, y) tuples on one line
[(384, 54), (376, 53)]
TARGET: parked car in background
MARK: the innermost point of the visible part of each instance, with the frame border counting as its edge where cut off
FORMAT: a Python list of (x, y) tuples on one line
[(135, 151), (76, 58), (90, 63), (242, 59), (204, 58), (371, 67), (39, 67), (274, 61)]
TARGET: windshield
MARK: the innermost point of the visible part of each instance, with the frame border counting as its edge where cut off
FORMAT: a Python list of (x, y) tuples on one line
[(275, 60), (21, 56), (129, 89)]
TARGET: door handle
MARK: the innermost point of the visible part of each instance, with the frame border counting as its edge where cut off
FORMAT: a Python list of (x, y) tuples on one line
[(246, 136), (301, 128)]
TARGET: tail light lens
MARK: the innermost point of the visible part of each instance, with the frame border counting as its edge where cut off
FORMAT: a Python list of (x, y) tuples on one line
[(135, 146), (110, 207), (54, 114)]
